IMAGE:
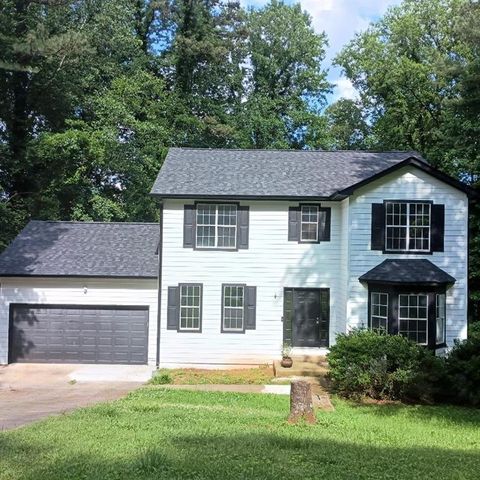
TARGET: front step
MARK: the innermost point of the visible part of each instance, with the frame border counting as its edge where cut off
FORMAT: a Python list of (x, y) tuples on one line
[(303, 366)]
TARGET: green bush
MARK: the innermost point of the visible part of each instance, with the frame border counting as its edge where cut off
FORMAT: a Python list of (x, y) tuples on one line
[(463, 370), (380, 366)]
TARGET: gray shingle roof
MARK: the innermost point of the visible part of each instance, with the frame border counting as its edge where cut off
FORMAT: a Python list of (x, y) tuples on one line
[(83, 249), (411, 271), (268, 173)]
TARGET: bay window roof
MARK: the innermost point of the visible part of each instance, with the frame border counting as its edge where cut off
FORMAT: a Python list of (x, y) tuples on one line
[(407, 271)]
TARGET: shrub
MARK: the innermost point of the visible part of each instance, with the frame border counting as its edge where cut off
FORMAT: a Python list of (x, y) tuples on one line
[(364, 362), (463, 370)]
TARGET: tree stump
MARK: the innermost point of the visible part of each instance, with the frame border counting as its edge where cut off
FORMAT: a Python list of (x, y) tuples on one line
[(301, 403)]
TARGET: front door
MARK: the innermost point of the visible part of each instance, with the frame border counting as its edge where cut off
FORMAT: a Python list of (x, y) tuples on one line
[(311, 317)]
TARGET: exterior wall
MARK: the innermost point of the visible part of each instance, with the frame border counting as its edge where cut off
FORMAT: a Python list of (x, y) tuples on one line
[(138, 292), (271, 263), (410, 184)]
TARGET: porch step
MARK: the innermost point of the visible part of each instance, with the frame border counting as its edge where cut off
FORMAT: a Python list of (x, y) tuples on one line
[(303, 366)]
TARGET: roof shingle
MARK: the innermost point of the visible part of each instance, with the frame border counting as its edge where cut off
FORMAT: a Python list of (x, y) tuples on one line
[(407, 271), (268, 173), (83, 249)]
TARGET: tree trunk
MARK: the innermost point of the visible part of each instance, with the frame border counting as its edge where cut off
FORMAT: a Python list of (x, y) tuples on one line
[(301, 403)]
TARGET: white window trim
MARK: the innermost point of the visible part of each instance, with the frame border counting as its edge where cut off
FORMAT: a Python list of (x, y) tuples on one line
[(224, 307), (216, 226), (408, 318), (407, 226), (198, 308), (379, 316), (309, 240)]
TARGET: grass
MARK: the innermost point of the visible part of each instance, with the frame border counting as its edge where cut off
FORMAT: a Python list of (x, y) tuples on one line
[(192, 376), (171, 434)]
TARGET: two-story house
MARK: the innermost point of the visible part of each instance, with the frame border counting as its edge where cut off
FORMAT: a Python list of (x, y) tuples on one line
[(254, 248)]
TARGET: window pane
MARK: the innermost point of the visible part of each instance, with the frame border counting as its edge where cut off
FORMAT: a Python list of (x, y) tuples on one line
[(413, 317), (216, 226), (309, 223), (233, 297), (190, 307), (440, 318), (379, 309)]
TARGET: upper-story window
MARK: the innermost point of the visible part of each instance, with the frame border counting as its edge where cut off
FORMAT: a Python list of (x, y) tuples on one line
[(309, 223), (216, 226), (407, 226)]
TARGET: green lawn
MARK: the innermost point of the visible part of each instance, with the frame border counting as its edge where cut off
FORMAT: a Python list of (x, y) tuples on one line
[(156, 433)]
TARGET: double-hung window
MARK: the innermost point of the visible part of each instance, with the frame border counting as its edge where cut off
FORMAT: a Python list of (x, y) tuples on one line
[(413, 317), (440, 315), (233, 308), (309, 223), (216, 226), (379, 311), (190, 307), (408, 226)]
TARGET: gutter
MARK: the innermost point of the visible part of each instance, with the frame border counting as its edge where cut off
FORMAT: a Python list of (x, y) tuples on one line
[(159, 306)]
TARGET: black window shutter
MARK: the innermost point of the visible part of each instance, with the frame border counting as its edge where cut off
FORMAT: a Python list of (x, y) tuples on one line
[(324, 220), (378, 226), (438, 228), (189, 212), (173, 308), (250, 308), (288, 316), (242, 226), (294, 224)]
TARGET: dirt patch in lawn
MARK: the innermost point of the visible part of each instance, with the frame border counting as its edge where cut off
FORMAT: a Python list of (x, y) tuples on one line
[(192, 376)]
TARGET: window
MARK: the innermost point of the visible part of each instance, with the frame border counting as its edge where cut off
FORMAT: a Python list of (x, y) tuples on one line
[(190, 307), (440, 315), (233, 308), (407, 226), (379, 311), (413, 317), (216, 226), (309, 223)]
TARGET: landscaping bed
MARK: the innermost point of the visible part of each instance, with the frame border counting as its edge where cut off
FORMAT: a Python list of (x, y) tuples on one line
[(191, 376), (155, 433)]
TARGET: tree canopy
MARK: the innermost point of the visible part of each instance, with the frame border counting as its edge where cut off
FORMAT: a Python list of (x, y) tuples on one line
[(93, 92)]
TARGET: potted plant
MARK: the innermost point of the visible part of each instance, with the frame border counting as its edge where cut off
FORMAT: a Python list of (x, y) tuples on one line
[(287, 361)]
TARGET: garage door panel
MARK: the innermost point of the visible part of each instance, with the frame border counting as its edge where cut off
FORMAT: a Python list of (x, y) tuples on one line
[(64, 334)]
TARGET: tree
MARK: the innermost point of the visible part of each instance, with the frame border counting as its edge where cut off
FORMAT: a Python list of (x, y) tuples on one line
[(347, 127), (286, 84)]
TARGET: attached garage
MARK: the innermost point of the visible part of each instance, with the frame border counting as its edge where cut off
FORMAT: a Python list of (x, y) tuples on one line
[(78, 334), (77, 292)]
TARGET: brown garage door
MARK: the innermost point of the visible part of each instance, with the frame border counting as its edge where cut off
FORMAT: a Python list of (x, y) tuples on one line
[(78, 334)]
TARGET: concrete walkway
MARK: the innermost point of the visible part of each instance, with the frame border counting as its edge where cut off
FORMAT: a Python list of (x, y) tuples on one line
[(29, 392)]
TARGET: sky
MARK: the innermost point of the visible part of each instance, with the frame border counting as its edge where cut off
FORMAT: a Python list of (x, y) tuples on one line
[(340, 20)]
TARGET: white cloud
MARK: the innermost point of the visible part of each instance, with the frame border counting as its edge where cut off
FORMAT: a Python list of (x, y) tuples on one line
[(344, 89)]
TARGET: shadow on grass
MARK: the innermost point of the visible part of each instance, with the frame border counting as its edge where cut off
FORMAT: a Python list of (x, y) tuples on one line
[(238, 456), (451, 414)]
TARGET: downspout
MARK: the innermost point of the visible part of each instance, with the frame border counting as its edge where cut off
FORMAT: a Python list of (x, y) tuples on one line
[(159, 306)]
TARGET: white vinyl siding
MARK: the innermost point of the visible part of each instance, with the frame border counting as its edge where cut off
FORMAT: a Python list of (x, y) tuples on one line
[(413, 184), (271, 263), (79, 291)]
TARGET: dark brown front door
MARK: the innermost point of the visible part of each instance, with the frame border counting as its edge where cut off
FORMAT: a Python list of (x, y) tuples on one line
[(311, 317)]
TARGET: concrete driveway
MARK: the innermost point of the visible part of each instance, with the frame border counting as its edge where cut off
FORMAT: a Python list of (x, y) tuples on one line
[(29, 392)]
